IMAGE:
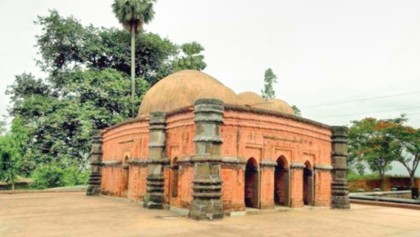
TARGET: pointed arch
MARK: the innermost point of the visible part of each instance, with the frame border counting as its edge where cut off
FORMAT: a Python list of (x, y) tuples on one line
[(281, 182), (251, 183), (308, 184)]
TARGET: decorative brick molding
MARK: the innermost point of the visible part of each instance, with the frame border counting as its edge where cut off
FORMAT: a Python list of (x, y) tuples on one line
[(297, 166), (207, 183), (137, 161), (323, 167), (268, 163), (154, 198), (94, 187), (340, 194), (112, 163)]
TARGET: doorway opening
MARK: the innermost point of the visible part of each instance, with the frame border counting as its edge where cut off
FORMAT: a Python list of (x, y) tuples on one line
[(281, 182), (251, 183), (308, 184)]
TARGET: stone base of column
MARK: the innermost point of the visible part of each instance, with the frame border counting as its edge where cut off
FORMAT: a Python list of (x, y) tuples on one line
[(94, 188), (207, 203), (340, 195), (154, 197)]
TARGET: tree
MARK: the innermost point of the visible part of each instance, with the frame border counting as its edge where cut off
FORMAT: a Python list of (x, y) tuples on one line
[(12, 148), (269, 79), (2, 127), (408, 139), (64, 45), (296, 110), (132, 14), (87, 87), (191, 58), (370, 141)]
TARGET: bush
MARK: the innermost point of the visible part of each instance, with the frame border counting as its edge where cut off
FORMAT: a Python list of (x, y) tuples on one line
[(52, 175), (353, 176)]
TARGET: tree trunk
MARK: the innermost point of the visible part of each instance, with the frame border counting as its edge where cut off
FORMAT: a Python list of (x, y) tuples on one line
[(412, 180), (382, 180), (133, 35)]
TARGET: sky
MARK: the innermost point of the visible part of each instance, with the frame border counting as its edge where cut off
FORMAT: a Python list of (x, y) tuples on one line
[(336, 60)]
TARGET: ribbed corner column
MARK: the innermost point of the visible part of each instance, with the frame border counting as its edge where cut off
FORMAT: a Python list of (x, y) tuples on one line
[(94, 187), (340, 194), (207, 184), (154, 198)]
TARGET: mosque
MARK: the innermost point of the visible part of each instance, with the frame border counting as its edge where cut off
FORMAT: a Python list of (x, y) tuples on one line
[(198, 146)]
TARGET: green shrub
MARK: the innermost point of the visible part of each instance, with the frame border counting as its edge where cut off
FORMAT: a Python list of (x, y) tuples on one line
[(353, 176), (73, 176), (52, 175), (47, 176)]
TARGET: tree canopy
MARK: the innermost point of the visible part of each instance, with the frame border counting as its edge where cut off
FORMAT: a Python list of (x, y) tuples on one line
[(86, 88), (132, 14), (190, 58), (269, 80), (378, 142)]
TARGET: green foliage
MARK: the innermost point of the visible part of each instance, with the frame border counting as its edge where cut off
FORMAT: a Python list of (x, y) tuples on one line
[(53, 175), (191, 58), (296, 110), (86, 88), (371, 142), (133, 13), (408, 140), (66, 45), (2, 127), (12, 149), (354, 176), (269, 79)]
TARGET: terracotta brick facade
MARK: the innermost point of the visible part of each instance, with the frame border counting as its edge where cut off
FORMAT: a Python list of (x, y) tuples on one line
[(281, 160)]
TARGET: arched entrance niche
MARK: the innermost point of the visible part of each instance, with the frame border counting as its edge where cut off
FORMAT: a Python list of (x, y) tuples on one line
[(281, 182), (308, 184), (175, 178), (251, 183)]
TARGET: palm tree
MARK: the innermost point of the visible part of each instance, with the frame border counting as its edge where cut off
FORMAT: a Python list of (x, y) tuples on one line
[(132, 14), (192, 58)]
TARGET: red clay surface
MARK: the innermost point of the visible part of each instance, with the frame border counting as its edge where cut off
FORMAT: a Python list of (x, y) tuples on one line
[(74, 214)]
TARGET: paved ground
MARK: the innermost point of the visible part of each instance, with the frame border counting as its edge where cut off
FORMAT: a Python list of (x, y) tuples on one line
[(73, 214)]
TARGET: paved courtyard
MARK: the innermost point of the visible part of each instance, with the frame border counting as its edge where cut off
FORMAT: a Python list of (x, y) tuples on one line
[(74, 214)]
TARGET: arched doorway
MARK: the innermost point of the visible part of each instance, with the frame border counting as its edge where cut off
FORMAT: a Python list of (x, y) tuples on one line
[(251, 183), (281, 182), (308, 185)]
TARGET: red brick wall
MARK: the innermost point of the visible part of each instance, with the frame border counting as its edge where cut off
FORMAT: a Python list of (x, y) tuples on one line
[(245, 135), (233, 188), (265, 137), (179, 144), (128, 140), (137, 182), (369, 185)]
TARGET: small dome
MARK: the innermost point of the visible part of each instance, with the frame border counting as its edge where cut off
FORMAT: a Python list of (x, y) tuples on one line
[(250, 99), (276, 105), (182, 89)]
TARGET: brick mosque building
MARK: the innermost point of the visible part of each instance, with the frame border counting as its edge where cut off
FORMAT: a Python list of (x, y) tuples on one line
[(197, 145)]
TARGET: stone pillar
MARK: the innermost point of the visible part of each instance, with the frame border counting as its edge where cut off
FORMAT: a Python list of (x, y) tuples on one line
[(94, 187), (340, 194), (154, 198), (207, 184)]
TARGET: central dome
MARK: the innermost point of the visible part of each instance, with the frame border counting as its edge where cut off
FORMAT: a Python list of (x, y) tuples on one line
[(182, 89)]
